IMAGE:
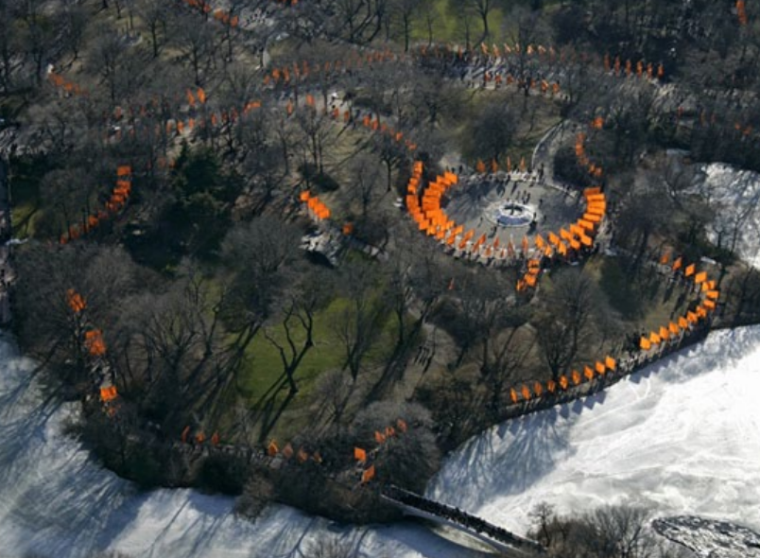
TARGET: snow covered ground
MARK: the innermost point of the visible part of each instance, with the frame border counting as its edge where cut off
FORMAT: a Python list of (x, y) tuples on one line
[(56, 501), (681, 436), (737, 195)]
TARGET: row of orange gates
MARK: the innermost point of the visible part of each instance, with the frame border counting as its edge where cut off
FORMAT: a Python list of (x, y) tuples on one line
[(433, 220), (617, 65), (94, 344), (707, 304), (315, 206), (223, 16), (362, 456), (116, 202)]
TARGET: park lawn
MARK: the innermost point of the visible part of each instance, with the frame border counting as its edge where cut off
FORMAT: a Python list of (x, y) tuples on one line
[(446, 28), (24, 217), (264, 366), (25, 195)]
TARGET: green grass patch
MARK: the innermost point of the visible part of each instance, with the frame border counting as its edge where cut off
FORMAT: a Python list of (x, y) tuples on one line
[(448, 26), (265, 366), (26, 175), (24, 217)]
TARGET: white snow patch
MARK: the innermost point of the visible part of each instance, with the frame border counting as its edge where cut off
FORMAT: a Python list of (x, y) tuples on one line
[(56, 501), (681, 437), (736, 195)]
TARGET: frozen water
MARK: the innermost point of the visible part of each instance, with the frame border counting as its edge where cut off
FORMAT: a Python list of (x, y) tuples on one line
[(56, 501), (681, 436), (736, 196)]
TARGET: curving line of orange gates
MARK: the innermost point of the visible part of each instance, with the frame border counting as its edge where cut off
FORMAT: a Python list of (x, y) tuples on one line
[(569, 242), (94, 346), (317, 209), (641, 68), (658, 339), (113, 206), (431, 219), (300, 72)]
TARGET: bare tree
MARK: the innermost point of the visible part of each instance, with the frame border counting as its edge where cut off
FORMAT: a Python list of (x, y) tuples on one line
[(483, 9), (106, 56), (38, 33), (404, 458), (565, 329), (154, 13), (196, 42), (316, 132), (262, 254), (493, 130), (403, 12), (365, 181), (358, 324), (310, 295), (69, 193), (335, 393)]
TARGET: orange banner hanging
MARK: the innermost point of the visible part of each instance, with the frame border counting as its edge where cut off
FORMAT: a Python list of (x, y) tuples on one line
[(368, 475), (360, 455)]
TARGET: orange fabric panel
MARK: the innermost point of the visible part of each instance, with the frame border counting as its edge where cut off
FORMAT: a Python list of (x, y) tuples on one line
[(368, 475), (525, 391), (108, 394), (272, 448)]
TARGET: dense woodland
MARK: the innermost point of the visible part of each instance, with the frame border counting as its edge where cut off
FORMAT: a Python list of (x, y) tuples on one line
[(217, 321)]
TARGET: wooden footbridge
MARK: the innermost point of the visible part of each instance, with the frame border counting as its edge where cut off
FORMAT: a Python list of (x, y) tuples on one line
[(497, 537)]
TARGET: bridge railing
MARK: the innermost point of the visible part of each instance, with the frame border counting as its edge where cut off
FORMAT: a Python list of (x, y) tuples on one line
[(465, 520)]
